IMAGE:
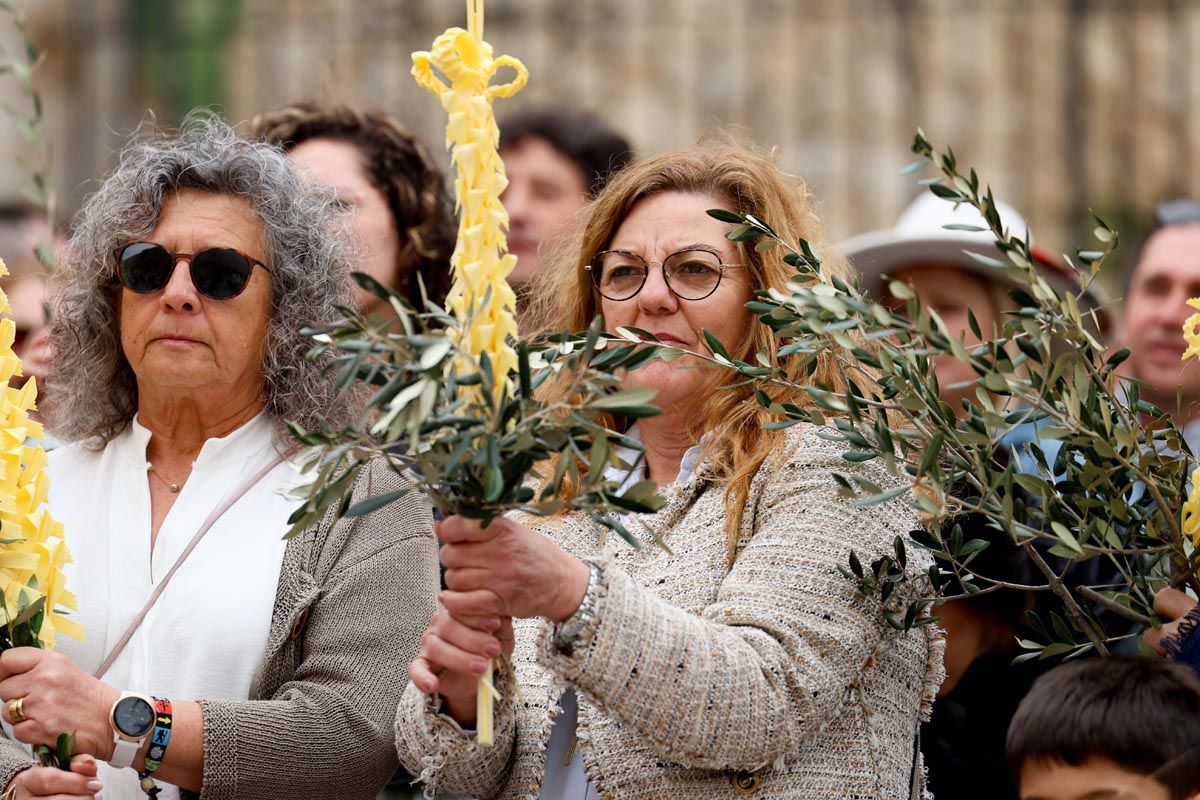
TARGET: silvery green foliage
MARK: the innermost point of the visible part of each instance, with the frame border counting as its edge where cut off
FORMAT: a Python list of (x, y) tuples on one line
[(1112, 494), (430, 413)]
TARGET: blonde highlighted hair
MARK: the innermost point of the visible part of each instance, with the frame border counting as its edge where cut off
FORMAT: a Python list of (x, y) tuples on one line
[(729, 421)]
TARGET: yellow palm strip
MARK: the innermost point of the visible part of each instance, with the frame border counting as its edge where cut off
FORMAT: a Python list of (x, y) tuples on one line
[(480, 298), (32, 550), (1190, 514)]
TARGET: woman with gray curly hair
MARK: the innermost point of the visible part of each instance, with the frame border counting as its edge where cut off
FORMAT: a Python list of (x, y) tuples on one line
[(266, 668)]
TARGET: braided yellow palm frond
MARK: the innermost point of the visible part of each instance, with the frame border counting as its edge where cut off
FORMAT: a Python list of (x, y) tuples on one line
[(480, 299)]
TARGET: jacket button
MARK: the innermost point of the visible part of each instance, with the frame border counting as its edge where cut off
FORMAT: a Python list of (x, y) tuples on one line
[(745, 783), (301, 621)]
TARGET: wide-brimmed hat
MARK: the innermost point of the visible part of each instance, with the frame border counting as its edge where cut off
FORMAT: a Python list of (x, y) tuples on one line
[(920, 238)]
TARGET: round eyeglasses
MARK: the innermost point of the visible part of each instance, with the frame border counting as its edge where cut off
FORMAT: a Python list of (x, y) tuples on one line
[(691, 274)]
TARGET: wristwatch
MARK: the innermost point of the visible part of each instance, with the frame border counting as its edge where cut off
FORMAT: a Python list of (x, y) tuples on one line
[(132, 720), (566, 633)]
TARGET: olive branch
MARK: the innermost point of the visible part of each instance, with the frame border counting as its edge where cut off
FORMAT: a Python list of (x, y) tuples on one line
[(1100, 484), (430, 414)]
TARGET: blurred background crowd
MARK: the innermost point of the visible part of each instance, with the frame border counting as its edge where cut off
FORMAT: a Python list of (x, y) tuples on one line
[(1064, 105)]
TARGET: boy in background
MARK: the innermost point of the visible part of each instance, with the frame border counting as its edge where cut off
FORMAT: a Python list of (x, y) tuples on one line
[(1108, 729)]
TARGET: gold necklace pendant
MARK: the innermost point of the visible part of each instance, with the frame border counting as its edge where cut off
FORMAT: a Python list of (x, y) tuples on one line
[(172, 486)]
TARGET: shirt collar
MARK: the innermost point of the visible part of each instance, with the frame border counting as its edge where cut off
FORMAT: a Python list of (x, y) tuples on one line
[(238, 445), (687, 465)]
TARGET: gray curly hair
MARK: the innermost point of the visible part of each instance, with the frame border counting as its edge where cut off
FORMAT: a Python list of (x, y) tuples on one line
[(93, 384)]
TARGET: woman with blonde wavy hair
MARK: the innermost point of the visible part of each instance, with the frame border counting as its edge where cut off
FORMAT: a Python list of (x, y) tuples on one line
[(738, 661)]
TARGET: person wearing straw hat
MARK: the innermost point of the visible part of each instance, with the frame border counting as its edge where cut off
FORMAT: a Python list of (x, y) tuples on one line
[(963, 742), (922, 252)]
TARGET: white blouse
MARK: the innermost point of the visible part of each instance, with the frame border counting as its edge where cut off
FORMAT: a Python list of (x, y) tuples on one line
[(206, 636)]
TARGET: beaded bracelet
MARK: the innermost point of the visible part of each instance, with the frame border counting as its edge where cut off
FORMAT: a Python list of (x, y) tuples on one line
[(158, 746)]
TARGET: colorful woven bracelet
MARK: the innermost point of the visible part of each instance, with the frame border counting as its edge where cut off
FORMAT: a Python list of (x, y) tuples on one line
[(159, 740)]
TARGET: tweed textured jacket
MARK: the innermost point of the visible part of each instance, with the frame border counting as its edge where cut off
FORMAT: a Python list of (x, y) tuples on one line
[(770, 677), (353, 598)]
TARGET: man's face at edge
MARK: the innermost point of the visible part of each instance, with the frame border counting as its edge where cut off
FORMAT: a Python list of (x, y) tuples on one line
[(1167, 274), (545, 190)]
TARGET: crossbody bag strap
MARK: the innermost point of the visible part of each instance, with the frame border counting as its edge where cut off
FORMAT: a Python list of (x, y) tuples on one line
[(217, 513)]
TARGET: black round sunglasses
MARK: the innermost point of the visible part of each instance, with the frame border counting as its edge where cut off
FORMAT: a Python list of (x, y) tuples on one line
[(218, 272)]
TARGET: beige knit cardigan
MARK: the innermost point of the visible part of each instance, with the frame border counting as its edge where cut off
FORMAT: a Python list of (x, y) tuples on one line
[(772, 677), (353, 598)]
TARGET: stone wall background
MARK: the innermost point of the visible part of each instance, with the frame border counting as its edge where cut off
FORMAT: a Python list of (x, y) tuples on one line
[(1062, 104)]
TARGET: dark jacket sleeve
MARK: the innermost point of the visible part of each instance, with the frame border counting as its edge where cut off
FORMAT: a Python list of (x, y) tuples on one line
[(1184, 646), (326, 731)]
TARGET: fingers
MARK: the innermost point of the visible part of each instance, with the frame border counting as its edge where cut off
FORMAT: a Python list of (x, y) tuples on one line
[(16, 686), (49, 782), (488, 623), (19, 660), (30, 731), (464, 637), (453, 556), (6, 711), (437, 650), (1172, 604), (466, 579), (466, 554), (463, 644), (475, 603), (85, 765), (12, 689), (423, 675)]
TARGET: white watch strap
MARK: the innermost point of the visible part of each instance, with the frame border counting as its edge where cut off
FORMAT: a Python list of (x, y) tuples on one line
[(124, 751)]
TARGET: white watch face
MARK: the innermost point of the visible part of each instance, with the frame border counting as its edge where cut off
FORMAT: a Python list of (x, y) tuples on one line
[(134, 717)]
